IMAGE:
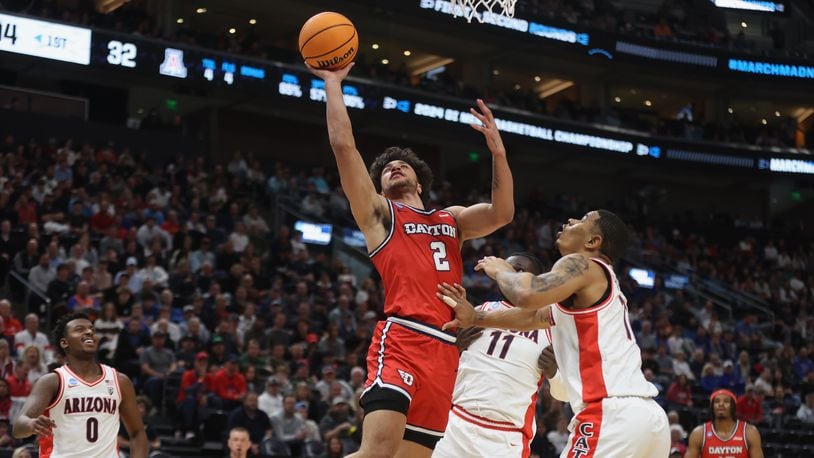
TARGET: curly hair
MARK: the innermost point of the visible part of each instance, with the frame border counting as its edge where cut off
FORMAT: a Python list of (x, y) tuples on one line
[(59, 328), (395, 153)]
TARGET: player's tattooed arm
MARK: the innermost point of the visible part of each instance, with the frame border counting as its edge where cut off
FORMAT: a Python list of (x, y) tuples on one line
[(526, 290), (516, 319), (467, 316)]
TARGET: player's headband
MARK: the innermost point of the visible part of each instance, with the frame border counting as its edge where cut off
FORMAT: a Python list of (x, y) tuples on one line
[(717, 393)]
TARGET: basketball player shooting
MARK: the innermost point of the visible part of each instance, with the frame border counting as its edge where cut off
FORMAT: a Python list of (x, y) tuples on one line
[(724, 436), (75, 410), (411, 362), (593, 342), (495, 392)]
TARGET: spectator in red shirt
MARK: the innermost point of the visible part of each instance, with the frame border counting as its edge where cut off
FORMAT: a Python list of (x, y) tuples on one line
[(679, 392), (196, 384), (18, 383), (26, 210), (750, 406), (103, 219), (229, 385), (13, 325), (171, 224)]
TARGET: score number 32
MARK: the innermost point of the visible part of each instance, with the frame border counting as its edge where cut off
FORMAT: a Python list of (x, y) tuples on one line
[(123, 54)]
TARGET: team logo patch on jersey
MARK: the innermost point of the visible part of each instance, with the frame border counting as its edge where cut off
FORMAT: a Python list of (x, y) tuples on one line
[(109, 386), (72, 382), (490, 306), (407, 377)]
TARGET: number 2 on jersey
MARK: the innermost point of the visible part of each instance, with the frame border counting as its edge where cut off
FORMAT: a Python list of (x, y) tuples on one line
[(439, 255)]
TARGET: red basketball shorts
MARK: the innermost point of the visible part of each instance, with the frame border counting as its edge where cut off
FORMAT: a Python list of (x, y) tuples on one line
[(411, 368)]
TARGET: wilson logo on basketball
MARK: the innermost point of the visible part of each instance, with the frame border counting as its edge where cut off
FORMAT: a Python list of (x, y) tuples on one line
[(336, 60)]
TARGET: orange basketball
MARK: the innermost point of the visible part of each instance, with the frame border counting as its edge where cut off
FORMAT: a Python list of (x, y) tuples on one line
[(328, 41)]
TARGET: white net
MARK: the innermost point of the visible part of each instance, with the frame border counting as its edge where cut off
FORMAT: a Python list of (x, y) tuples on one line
[(481, 9)]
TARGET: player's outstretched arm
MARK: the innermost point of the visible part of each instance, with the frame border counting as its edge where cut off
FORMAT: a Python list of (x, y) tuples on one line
[(131, 417), (466, 316), (754, 442), (568, 276), (695, 442), (366, 205), (482, 219), (31, 419)]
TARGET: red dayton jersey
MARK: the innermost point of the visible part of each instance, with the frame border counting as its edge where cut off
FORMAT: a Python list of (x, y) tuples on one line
[(421, 250), (734, 446)]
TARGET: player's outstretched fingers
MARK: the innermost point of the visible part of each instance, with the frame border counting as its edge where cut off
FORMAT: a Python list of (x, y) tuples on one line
[(461, 290), (451, 293), (483, 119), (485, 110), (451, 324)]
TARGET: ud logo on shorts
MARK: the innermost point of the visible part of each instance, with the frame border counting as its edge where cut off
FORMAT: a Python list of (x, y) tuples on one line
[(581, 447), (407, 377)]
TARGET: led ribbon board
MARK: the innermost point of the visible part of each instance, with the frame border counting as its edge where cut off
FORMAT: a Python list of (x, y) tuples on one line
[(752, 5)]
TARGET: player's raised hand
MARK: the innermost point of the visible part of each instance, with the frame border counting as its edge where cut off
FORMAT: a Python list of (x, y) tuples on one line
[(488, 129), (42, 426), (491, 265), (331, 75), (455, 297), (465, 338)]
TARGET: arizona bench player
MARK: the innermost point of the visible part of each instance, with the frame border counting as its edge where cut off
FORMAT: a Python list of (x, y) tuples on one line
[(495, 392), (75, 410)]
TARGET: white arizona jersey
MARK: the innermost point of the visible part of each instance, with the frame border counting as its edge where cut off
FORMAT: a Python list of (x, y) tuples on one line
[(596, 349), (86, 415), (499, 376)]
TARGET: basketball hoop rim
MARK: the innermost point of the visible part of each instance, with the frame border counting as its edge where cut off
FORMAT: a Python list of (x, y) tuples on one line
[(482, 9)]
